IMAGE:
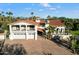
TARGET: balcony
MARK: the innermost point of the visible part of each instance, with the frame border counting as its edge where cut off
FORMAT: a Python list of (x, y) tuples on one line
[(29, 32)]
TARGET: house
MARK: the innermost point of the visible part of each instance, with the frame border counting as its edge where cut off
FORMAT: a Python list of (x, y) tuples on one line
[(58, 25), (23, 29), (41, 23), (59, 29)]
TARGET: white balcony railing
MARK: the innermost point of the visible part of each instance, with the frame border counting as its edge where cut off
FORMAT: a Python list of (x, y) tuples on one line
[(23, 32)]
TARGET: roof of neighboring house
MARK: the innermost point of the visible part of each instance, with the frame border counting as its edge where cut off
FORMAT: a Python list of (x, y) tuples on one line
[(25, 21), (56, 22), (42, 21), (39, 29)]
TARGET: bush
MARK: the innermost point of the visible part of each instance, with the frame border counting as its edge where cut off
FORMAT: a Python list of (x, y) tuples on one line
[(75, 44), (14, 49)]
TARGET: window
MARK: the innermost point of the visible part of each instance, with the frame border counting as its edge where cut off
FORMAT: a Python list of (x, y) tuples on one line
[(15, 27), (30, 27), (23, 27)]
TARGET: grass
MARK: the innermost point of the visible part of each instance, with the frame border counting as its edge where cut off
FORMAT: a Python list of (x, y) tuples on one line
[(74, 32)]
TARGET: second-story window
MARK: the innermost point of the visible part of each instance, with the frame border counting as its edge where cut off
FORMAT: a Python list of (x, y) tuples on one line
[(30, 27), (15, 27), (23, 27)]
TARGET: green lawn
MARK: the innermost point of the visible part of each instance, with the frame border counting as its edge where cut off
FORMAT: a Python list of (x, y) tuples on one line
[(75, 32)]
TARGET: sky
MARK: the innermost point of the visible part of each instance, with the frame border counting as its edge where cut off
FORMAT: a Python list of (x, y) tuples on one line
[(42, 10)]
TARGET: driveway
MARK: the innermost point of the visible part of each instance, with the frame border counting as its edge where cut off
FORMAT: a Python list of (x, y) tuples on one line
[(40, 47)]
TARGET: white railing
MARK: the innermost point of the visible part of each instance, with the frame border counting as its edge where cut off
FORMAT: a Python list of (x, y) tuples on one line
[(31, 32)]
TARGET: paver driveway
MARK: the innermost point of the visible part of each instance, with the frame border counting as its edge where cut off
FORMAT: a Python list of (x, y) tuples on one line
[(40, 47)]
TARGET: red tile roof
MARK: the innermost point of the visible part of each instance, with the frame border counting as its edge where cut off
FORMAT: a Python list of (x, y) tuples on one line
[(25, 21), (56, 22), (29, 21), (39, 29), (42, 21)]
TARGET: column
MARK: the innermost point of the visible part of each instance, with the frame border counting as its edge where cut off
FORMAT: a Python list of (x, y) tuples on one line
[(10, 28), (63, 30), (11, 34), (20, 27), (26, 33), (35, 32)]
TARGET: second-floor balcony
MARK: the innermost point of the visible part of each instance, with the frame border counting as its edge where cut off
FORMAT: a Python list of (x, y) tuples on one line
[(23, 32)]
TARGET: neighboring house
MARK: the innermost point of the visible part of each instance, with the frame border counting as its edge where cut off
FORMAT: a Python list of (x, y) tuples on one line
[(58, 25), (41, 23), (60, 29), (23, 29)]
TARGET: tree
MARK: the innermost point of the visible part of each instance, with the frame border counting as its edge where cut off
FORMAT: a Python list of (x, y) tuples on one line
[(74, 44), (34, 17), (9, 13), (9, 16), (55, 17), (63, 18), (48, 17), (32, 13), (18, 17), (77, 26), (1, 16), (50, 31)]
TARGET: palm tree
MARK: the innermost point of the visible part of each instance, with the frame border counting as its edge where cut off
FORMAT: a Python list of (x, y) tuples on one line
[(32, 13)]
